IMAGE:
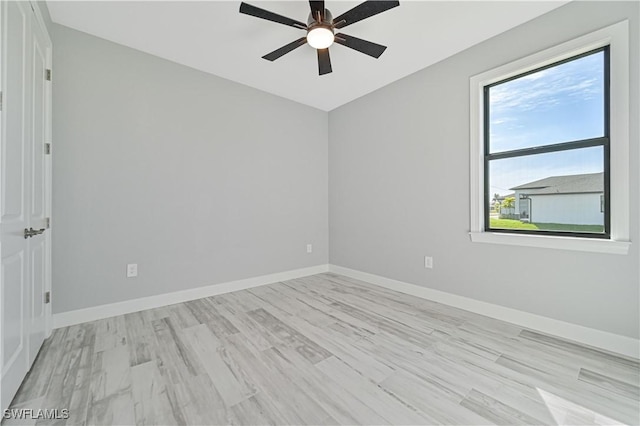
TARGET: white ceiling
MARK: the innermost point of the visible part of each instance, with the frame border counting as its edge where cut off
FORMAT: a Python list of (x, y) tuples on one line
[(214, 37)]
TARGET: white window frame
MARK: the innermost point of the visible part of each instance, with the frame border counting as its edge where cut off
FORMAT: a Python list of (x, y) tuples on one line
[(617, 37)]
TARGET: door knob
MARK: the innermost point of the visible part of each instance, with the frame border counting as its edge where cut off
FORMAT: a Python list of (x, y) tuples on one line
[(32, 232)]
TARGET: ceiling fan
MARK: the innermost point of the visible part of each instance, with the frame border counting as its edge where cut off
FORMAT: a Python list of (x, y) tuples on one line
[(321, 29)]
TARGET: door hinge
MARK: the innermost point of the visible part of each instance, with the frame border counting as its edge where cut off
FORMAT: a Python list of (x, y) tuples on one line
[(47, 297), (47, 148), (47, 222), (47, 75), (0, 101)]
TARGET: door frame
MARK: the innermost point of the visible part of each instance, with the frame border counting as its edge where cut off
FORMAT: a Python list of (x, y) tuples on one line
[(48, 168), (39, 20)]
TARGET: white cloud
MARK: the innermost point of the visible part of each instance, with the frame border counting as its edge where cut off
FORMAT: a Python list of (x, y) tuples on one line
[(566, 83)]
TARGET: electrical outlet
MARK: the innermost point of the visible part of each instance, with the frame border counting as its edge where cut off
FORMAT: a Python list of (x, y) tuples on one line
[(428, 262), (132, 270), (309, 248)]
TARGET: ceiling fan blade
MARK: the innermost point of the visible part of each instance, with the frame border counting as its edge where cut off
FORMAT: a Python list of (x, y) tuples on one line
[(285, 49), (363, 11), (317, 7), (364, 46), (248, 9), (324, 62)]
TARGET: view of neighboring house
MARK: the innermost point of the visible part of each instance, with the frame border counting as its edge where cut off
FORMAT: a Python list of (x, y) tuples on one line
[(499, 199), (574, 199)]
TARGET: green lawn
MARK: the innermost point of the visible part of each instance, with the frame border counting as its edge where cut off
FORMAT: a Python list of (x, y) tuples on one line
[(516, 224)]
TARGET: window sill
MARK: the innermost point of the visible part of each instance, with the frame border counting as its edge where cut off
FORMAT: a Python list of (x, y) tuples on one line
[(559, 243)]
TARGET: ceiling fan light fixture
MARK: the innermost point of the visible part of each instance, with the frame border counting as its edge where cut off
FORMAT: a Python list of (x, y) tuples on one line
[(320, 37)]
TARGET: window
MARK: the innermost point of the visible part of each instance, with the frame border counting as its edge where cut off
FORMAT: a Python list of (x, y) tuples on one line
[(549, 147)]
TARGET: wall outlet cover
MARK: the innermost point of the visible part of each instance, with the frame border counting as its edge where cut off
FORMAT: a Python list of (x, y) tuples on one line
[(132, 270)]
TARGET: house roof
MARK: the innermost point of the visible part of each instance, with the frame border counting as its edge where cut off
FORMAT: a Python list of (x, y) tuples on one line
[(571, 184)]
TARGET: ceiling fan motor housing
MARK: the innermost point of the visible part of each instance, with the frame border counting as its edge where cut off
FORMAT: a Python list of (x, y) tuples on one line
[(319, 21)]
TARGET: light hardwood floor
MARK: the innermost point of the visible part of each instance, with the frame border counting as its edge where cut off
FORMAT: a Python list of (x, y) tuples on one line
[(324, 350)]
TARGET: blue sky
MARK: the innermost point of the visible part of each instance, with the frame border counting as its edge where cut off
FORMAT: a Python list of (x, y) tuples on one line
[(558, 104)]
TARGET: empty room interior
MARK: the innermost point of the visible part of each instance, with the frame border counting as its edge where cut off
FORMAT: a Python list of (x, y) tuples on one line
[(320, 212)]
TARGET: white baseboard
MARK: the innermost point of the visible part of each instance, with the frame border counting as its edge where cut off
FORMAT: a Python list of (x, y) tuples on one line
[(601, 339), (93, 313)]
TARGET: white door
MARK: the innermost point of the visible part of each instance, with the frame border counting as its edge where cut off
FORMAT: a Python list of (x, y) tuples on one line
[(24, 193), (14, 183)]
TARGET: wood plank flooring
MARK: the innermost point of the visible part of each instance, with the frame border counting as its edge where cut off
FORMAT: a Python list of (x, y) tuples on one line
[(325, 349)]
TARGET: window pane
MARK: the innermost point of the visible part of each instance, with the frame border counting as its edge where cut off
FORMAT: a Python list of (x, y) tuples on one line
[(558, 104), (558, 191)]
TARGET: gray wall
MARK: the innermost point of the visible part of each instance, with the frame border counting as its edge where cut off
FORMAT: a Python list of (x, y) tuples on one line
[(197, 179), (399, 188)]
